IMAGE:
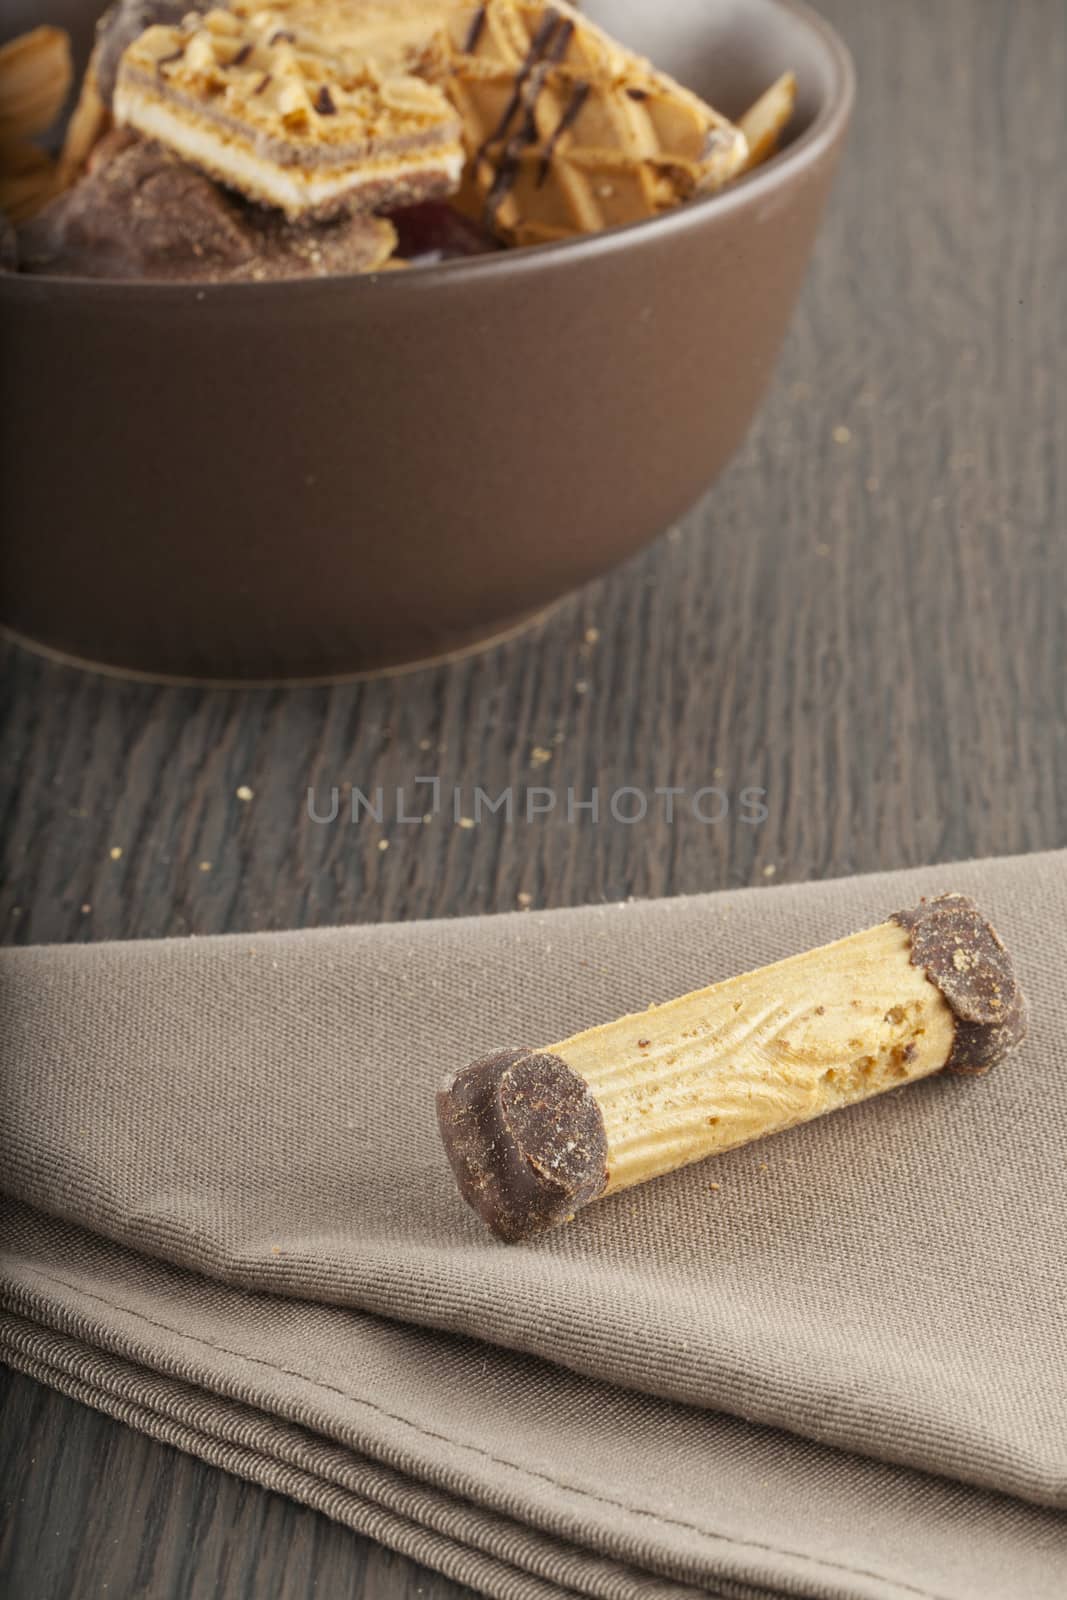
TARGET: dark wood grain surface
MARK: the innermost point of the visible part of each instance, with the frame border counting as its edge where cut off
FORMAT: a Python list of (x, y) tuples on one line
[(867, 618)]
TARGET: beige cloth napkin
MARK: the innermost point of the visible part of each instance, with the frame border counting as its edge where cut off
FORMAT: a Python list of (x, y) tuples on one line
[(841, 1374)]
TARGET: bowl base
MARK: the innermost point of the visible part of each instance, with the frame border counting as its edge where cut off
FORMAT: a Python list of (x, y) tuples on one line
[(472, 643)]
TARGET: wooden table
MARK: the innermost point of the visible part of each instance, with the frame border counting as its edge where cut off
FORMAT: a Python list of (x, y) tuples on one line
[(867, 618)]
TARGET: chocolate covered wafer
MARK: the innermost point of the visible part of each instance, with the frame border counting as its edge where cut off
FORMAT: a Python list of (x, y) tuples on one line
[(285, 120), (533, 1135)]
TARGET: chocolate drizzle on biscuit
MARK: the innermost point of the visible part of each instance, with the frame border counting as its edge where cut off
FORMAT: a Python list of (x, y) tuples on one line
[(538, 47), (324, 103), (241, 57), (547, 48), (477, 28), (572, 112)]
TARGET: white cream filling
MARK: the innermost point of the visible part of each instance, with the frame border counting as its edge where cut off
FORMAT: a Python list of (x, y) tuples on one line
[(291, 189)]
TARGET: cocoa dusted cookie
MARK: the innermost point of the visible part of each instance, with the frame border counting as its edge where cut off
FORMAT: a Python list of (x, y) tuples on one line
[(141, 213)]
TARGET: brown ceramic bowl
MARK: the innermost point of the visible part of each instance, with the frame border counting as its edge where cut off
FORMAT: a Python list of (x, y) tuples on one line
[(302, 479)]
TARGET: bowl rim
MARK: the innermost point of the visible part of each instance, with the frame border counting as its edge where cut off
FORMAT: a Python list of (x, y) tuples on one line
[(821, 135)]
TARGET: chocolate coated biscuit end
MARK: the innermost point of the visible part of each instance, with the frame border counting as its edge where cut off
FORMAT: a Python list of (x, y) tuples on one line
[(525, 1138), (962, 955)]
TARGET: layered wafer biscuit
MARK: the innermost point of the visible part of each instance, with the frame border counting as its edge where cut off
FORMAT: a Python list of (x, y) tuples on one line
[(533, 1135), (284, 120), (566, 131)]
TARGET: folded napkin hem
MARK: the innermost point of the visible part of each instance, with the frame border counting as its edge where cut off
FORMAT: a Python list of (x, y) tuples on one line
[(100, 1378)]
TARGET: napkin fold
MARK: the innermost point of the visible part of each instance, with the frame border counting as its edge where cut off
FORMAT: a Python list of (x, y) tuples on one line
[(841, 1373)]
